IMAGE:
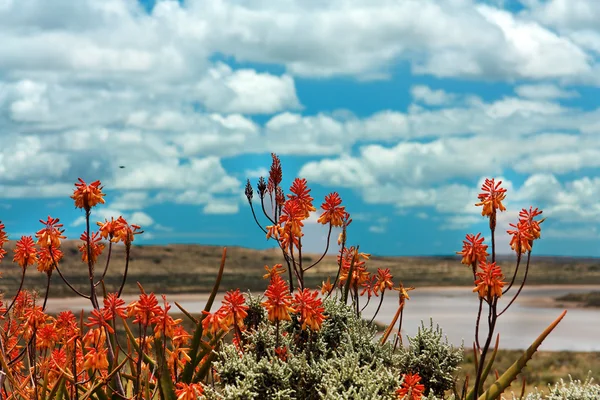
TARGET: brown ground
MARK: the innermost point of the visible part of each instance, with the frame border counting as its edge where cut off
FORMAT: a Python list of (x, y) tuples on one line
[(192, 269)]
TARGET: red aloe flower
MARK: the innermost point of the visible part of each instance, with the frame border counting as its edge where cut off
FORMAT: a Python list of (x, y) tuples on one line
[(279, 300), (188, 391), (534, 226), (522, 239), (214, 322), (51, 234), (310, 308), (301, 195), (384, 280), (48, 258), (3, 239), (234, 305), (333, 213), (99, 319), (411, 389), (95, 246), (275, 174), (491, 197), (144, 309), (474, 251), (87, 196), (123, 232), (116, 305), (25, 252), (489, 281)]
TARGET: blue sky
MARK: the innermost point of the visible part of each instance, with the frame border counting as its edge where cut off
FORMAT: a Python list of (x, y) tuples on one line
[(403, 107)]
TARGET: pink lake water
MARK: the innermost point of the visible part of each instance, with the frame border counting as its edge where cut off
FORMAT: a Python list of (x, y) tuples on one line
[(454, 309)]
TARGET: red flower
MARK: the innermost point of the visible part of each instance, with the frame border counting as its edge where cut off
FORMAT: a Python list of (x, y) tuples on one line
[(116, 305), (411, 389), (3, 239), (275, 174), (99, 319), (301, 196), (489, 281), (491, 198), (95, 246), (333, 213), (384, 280), (25, 252), (279, 300), (145, 309), (234, 305), (533, 226), (188, 391), (51, 234), (310, 309), (474, 251), (123, 232), (521, 240), (87, 196), (48, 258), (214, 322)]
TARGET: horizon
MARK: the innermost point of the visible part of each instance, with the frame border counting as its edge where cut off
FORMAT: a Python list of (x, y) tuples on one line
[(173, 104)]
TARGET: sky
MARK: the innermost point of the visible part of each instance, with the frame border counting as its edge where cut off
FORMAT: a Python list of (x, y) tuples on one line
[(402, 107)]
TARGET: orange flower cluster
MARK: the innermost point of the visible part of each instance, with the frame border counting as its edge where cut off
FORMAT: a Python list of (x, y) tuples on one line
[(491, 197), (3, 240), (279, 300), (489, 282), (474, 251), (360, 275), (297, 208), (411, 389), (310, 309), (87, 196), (526, 230), (232, 312)]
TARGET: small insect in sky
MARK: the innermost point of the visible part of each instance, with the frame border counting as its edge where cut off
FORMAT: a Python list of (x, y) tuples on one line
[(121, 166)]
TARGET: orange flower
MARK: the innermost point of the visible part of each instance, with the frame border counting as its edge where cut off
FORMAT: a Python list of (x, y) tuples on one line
[(188, 391), (274, 231), (46, 336), (292, 215), (276, 270), (123, 232), (474, 251), (144, 309), (326, 286), (3, 239), (51, 234), (164, 323), (279, 300), (95, 246), (107, 228), (275, 174), (115, 304), (534, 226), (521, 240), (411, 389), (99, 319), (489, 281), (48, 258), (96, 358), (214, 322), (491, 198), (384, 280), (310, 309), (301, 195), (87, 196), (25, 252), (234, 305), (333, 213)]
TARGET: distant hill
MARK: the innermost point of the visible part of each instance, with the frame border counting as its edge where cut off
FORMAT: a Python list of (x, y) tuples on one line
[(190, 268)]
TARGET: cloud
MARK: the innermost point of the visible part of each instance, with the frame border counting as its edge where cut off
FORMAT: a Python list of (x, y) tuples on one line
[(246, 91), (544, 91), (431, 97)]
